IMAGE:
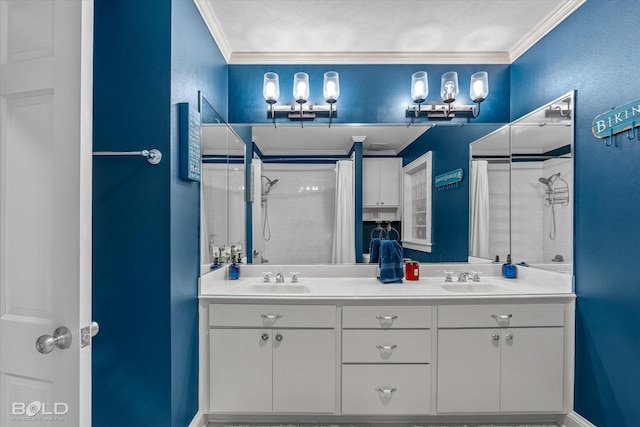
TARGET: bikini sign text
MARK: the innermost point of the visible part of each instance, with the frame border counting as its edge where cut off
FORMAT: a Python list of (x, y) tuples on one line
[(618, 120)]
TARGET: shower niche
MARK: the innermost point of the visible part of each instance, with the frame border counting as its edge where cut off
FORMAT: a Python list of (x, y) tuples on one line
[(522, 186)]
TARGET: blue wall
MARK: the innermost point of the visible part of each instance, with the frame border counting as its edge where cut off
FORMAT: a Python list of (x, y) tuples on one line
[(596, 52), (149, 55)]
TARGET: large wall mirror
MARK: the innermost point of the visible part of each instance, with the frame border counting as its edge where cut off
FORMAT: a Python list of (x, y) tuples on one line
[(222, 223), (521, 189)]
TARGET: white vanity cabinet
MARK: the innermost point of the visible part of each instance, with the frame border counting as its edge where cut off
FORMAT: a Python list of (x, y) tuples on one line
[(386, 360), (381, 181), (272, 358), (501, 358)]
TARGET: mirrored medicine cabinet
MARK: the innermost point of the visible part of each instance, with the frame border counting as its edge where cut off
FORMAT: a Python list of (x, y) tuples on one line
[(522, 187)]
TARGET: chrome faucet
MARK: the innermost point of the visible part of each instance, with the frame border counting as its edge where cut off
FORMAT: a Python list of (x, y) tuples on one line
[(464, 276), (279, 278)]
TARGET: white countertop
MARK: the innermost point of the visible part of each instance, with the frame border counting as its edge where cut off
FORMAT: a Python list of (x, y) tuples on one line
[(349, 282)]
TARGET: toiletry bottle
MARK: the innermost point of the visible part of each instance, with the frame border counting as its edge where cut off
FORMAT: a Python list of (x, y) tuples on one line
[(234, 270), (508, 269), (215, 264)]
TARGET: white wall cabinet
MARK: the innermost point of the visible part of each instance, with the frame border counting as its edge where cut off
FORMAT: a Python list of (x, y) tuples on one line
[(501, 368), (381, 182), (272, 369)]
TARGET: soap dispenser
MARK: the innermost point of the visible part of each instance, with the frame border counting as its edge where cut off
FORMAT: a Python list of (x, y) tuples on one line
[(508, 269), (234, 270)]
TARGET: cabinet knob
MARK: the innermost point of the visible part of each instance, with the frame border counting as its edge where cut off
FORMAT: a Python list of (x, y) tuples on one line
[(265, 337), (502, 317), (508, 336), (386, 318), (386, 347), (495, 337), (386, 390), (278, 337), (271, 316)]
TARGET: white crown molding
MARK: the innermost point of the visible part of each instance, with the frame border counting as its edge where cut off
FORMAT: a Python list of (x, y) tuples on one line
[(251, 58), (214, 27), (554, 19)]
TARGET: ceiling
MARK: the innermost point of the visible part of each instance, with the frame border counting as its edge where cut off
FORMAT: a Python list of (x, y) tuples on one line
[(370, 32), (380, 31)]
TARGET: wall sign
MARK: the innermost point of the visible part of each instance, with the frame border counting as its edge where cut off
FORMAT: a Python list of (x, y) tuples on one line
[(449, 179), (190, 140), (609, 123)]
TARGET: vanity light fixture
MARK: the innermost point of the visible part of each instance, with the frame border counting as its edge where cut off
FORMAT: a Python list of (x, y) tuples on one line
[(449, 90), (301, 108)]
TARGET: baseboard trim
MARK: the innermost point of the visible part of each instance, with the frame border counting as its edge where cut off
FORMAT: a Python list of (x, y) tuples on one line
[(198, 420), (573, 419)]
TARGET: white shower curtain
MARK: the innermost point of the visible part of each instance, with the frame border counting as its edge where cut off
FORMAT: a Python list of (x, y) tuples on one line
[(344, 229), (479, 189)]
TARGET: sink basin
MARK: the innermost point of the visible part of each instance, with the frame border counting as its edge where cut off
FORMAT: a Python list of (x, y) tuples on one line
[(287, 288), (474, 287)]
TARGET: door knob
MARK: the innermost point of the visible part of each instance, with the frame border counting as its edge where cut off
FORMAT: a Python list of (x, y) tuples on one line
[(61, 338)]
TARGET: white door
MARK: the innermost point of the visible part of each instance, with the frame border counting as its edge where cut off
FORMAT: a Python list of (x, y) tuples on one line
[(46, 49)]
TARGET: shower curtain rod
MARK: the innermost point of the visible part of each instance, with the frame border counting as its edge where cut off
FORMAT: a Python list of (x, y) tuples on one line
[(303, 159)]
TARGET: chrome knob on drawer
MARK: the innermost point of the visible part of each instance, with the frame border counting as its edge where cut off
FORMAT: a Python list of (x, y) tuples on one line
[(502, 317), (386, 318), (265, 337), (495, 337), (278, 337), (385, 390), (508, 336), (271, 316), (386, 347)]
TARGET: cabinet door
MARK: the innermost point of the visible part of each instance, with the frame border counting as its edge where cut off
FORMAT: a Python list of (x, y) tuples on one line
[(370, 182), (468, 370), (240, 370), (532, 370), (389, 181), (304, 363)]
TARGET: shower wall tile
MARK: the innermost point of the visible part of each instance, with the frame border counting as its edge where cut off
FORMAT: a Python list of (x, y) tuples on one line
[(563, 243), (527, 228), (498, 175)]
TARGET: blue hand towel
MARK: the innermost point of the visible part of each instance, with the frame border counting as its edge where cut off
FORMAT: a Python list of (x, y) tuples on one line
[(391, 268), (374, 250)]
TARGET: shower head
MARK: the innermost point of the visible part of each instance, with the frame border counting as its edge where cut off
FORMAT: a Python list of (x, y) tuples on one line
[(270, 183), (549, 181)]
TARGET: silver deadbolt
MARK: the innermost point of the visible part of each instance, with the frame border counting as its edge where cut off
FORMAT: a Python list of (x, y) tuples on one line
[(87, 333), (61, 338)]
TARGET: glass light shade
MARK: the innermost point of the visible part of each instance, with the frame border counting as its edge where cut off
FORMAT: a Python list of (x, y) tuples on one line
[(419, 86), (331, 87), (479, 88), (449, 86), (271, 87), (301, 87)]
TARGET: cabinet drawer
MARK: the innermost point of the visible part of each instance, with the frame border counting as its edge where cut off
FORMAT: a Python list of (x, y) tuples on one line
[(386, 317), (386, 346), (386, 389), (512, 315), (265, 316)]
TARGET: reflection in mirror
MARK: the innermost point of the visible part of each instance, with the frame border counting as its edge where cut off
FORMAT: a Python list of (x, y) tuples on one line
[(222, 187), (521, 191), (489, 212)]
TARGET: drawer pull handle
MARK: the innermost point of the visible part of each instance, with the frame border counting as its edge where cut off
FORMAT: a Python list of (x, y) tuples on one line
[(385, 390), (271, 316), (386, 347), (501, 317), (386, 318)]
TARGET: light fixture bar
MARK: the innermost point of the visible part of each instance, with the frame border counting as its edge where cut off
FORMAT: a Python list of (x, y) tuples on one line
[(440, 110), (309, 111)]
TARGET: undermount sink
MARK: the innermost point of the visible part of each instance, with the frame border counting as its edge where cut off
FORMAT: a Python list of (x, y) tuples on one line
[(474, 287), (284, 288)]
